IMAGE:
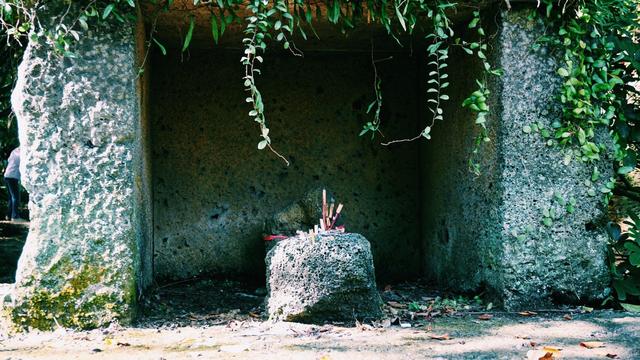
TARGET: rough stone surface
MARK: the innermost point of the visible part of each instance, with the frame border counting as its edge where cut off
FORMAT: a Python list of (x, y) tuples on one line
[(488, 232), (213, 190), (79, 127), (325, 277), (460, 211), (566, 261)]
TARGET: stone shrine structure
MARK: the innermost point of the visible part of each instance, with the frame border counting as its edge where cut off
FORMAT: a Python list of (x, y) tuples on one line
[(134, 177)]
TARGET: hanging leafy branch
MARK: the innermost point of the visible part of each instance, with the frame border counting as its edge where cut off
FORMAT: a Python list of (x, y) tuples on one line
[(255, 42), (598, 39), (437, 53), (477, 101)]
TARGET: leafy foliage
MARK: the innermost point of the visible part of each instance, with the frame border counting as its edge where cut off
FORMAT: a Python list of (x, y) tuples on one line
[(477, 101), (11, 53), (624, 259), (600, 66), (600, 63), (276, 21)]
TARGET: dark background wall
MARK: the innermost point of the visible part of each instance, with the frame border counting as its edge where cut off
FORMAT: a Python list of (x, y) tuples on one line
[(460, 218), (213, 189)]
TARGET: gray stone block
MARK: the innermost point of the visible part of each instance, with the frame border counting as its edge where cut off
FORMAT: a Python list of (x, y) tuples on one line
[(79, 124), (325, 277), (487, 232), (566, 261)]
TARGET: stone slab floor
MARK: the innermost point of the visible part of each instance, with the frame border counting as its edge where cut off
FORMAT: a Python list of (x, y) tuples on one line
[(220, 318)]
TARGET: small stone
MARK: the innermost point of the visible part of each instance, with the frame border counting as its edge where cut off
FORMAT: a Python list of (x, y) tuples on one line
[(330, 276)]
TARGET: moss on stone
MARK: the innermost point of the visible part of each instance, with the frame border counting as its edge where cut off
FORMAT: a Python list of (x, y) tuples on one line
[(73, 305)]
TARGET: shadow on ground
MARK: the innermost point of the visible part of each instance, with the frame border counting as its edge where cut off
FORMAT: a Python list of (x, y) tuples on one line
[(216, 318)]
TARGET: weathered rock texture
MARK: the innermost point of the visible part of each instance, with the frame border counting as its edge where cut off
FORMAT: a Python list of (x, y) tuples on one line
[(324, 277), (489, 231), (80, 124), (213, 189)]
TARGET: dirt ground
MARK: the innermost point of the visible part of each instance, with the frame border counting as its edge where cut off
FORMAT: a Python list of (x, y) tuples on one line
[(215, 318)]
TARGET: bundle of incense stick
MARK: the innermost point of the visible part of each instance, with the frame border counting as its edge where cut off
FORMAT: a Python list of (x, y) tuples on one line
[(328, 220)]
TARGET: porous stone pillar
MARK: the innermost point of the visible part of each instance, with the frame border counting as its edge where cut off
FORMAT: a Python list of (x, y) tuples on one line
[(81, 131), (511, 231), (549, 252)]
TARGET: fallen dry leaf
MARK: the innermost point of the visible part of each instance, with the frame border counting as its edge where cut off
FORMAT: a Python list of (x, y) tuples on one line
[(485, 317), (397, 305), (439, 337), (527, 313), (533, 343), (612, 356), (525, 337), (552, 349), (539, 355), (567, 317), (592, 344)]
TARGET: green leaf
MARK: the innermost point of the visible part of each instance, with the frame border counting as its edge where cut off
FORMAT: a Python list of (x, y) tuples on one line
[(108, 10), (630, 307), (563, 72), (625, 170), (83, 23), (581, 136), (262, 144), (187, 39), (371, 106), (214, 28), (400, 18), (163, 50)]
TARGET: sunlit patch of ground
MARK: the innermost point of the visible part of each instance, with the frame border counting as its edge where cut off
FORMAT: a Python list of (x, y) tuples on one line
[(503, 336)]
